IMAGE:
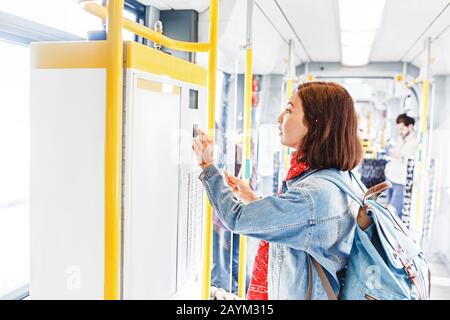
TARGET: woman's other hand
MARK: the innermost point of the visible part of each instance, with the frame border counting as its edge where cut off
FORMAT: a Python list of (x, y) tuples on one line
[(203, 147), (240, 188)]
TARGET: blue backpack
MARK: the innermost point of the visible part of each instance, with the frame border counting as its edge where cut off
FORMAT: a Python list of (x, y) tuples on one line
[(385, 263)]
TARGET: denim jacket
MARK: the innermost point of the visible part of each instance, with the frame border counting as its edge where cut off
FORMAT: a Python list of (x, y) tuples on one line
[(312, 217)]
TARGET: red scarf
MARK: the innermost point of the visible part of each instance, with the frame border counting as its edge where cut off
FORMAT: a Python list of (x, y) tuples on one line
[(257, 289)]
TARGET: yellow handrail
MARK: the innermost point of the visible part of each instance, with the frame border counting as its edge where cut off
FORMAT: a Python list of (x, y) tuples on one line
[(422, 149), (143, 31), (419, 188), (413, 82), (246, 164), (212, 69), (113, 151)]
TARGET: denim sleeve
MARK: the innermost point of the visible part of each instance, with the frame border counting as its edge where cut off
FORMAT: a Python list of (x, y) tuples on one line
[(285, 219)]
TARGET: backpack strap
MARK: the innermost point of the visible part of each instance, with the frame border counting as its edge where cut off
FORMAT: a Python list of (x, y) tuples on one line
[(362, 219), (336, 179), (323, 279), (339, 183), (310, 279), (371, 193), (358, 182), (376, 190)]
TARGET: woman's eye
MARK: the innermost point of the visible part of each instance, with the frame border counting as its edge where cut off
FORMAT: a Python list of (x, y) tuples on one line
[(288, 110)]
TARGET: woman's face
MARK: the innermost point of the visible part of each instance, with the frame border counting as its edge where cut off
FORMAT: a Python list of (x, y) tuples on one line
[(291, 123)]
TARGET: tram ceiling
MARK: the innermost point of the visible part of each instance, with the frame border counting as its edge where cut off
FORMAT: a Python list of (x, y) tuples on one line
[(407, 24), (373, 70), (315, 28)]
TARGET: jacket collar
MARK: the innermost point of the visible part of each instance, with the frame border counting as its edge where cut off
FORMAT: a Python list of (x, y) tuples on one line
[(302, 176)]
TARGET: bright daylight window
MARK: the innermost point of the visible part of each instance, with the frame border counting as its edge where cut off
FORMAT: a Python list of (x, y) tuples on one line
[(65, 15), (14, 167)]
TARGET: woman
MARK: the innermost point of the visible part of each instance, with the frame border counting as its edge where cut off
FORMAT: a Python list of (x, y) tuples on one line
[(311, 217)]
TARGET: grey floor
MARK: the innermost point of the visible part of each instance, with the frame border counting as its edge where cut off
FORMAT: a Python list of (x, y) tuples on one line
[(440, 277)]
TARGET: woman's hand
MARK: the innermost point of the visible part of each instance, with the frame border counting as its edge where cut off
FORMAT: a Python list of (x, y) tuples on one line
[(240, 188), (203, 147)]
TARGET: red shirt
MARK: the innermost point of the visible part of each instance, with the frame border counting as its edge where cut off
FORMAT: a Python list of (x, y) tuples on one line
[(257, 289)]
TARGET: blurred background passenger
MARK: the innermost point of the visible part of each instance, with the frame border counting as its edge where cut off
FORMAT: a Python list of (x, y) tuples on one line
[(405, 148)]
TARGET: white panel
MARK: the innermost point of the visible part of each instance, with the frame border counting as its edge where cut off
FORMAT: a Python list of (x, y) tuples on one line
[(67, 178), (154, 154), (190, 224), (163, 200)]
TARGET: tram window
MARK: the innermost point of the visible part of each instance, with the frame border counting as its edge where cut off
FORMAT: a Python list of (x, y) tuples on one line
[(14, 167), (64, 15), (128, 35)]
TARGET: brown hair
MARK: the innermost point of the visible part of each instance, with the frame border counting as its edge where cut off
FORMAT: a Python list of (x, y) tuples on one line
[(332, 137), (405, 119)]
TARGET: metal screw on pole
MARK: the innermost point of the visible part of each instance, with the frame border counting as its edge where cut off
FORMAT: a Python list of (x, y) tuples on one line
[(158, 28)]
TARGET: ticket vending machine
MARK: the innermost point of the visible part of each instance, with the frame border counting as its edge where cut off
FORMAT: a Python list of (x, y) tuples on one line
[(162, 198)]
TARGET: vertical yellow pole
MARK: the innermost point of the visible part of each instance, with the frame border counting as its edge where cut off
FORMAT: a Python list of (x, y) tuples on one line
[(289, 83), (423, 141), (286, 149), (246, 164), (289, 89), (212, 69), (113, 150), (420, 203)]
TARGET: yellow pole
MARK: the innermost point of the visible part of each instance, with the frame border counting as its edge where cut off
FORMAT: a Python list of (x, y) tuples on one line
[(289, 83), (422, 149), (212, 69), (286, 149), (246, 164), (423, 142), (289, 89), (113, 150)]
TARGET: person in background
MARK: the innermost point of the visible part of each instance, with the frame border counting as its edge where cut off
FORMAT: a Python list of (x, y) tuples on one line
[(405, 148)]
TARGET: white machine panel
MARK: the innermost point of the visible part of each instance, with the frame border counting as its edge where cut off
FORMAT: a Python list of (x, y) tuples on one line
[(163, 198), (191, 198), (67, 183), (152, 155)]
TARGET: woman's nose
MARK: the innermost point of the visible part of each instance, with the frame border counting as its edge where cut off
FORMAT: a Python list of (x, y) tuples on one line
[(280, 118)]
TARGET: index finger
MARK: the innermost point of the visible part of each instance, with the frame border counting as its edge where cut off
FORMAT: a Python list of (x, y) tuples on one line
[(201, 132)]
